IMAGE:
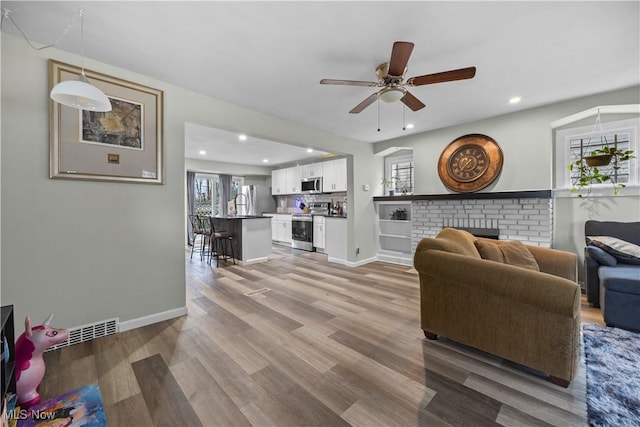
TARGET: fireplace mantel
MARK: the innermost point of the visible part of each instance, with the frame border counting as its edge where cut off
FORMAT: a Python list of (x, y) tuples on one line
[(539, 194)]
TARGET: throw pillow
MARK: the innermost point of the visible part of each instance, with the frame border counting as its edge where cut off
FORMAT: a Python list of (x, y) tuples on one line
[(489, 250), (621, 250), (516, 253), (601, 256)]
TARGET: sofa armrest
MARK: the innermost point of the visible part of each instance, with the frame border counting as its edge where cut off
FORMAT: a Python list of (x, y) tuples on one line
[(556, 262), (591, 279), (548, 292)]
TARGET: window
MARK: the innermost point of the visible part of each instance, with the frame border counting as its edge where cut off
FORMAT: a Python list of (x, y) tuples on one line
[(580, 147), (208, 191), (570, 143), (399, 168)]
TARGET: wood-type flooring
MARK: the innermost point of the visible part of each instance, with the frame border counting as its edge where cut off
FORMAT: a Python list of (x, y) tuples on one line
[(327, 345)]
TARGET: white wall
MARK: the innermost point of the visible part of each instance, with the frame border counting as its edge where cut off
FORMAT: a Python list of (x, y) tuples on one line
[(89, 251)]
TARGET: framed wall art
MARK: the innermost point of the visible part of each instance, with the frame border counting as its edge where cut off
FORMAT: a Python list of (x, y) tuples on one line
[(124, 144)]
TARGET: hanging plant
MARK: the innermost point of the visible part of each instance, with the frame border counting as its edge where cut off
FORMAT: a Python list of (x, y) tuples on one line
[(587, 164), (589, 175)]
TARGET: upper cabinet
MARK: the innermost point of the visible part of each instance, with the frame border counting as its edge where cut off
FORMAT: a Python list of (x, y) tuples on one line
[(294, 177), (334, 176), (314, 170), (279, 182), (332, 172)]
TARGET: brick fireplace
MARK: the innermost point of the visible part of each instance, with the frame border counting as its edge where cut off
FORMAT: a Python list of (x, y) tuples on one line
[(510, 216)]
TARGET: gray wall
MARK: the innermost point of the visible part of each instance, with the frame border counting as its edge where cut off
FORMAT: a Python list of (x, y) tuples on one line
[(89, 251), (526, 139)]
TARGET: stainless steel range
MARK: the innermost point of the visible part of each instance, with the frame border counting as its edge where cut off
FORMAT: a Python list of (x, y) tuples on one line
[(302, 226), (302, 231)]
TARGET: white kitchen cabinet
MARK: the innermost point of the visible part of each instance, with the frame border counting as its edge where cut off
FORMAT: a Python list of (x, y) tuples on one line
[(334, 176), (279, 182), (319, 236), (294, 178), (281, 228), (314, 170), (274, 226)]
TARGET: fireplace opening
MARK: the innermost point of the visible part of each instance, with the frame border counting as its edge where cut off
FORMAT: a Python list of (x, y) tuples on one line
[(487, 233)]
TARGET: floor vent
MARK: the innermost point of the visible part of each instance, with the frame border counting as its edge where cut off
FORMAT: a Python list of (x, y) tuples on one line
[(257, 292), (89, 332)]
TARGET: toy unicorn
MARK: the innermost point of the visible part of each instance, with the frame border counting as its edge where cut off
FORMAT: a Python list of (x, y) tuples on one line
[(29, 362)]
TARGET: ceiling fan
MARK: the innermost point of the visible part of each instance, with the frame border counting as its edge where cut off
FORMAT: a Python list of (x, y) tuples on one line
[(392, 83)]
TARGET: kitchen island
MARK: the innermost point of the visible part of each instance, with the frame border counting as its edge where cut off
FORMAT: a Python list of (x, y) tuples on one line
[(252, 236)]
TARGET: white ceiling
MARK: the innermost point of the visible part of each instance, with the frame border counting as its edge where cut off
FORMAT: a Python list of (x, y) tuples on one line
[(223, 146), (270, 56)]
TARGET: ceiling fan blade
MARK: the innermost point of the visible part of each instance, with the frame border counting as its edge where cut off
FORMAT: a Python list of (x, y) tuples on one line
[(445, 76), (347, 82), (399, 58), (412, 102), (364, 104)]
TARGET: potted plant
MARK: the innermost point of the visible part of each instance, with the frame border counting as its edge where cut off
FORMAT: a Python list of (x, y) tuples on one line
[(589, 174), (392, 183)]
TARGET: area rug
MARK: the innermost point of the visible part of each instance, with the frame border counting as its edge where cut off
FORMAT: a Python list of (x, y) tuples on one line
[(612, 357), (81, 407)]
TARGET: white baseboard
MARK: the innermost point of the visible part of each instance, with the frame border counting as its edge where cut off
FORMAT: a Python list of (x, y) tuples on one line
[(252, 261), (402, 260), (351, 263), (151, 319)]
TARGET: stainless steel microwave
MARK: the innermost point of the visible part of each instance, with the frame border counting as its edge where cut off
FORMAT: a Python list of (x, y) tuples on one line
[(311, 185)]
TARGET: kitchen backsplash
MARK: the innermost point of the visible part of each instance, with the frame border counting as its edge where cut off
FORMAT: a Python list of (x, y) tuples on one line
[(287, 204)]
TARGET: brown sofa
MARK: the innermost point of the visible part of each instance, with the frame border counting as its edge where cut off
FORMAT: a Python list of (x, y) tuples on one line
[(526, 316)]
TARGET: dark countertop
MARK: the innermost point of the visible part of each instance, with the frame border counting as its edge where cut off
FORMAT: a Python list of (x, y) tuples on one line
[(228, 217), (296, 213)]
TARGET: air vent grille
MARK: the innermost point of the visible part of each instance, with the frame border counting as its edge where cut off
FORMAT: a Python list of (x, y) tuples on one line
[(89, 332)]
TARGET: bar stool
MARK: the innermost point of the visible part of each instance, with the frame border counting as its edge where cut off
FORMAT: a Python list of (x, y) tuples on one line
[(221, 243), (196, 231)]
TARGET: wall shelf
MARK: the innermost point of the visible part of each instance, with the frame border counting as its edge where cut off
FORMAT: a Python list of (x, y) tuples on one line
[(8, 368)]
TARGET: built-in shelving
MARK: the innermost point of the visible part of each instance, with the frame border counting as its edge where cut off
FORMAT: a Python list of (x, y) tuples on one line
[(394, 231)]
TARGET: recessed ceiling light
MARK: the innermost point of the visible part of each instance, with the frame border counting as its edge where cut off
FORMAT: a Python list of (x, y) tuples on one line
[(515, 100), (242, 137), (265, 160), (409, 126), (309, 150), (202, 152)]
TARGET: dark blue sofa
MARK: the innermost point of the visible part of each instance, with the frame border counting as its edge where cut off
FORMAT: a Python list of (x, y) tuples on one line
[(615, 289)]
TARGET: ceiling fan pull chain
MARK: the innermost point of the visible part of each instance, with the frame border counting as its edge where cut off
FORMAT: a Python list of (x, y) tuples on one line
[(378, 115), (404, 117)]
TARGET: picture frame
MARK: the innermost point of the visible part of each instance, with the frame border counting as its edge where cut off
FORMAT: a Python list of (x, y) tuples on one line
[(122, 145)]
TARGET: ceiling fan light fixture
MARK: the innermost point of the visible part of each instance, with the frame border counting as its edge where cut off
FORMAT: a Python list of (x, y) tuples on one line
[(391, 94)]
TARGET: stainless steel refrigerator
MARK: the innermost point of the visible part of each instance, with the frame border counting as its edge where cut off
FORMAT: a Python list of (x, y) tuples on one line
[(254, 200)]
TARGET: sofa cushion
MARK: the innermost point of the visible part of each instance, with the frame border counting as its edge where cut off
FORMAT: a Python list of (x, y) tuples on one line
[(516, 253), (622, 278), (601, 256), (507, 252), (457, 241), (622, 250), (489, 250)]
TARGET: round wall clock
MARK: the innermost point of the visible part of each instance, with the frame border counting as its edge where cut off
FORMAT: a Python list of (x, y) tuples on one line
[(470, 163)]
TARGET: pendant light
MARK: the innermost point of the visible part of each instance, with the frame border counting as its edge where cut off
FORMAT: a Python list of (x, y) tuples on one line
[(79, 93)]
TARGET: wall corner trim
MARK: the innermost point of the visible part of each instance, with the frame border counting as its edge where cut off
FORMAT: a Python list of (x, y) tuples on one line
[(151, 319)]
